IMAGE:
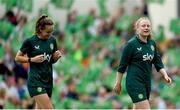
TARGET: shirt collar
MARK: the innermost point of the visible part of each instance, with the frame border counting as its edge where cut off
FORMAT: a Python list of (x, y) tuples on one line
[(139, 40)]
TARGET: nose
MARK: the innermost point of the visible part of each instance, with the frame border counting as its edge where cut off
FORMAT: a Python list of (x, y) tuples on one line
[(146, 27)]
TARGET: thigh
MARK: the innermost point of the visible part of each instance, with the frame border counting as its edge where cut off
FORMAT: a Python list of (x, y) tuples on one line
[(142, 105), (43, 101)]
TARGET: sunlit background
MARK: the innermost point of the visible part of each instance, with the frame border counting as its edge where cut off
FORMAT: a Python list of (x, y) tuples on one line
[(91, 34)]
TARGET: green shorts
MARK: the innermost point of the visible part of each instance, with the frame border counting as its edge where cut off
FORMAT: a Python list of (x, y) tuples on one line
[(34, 91), (138, 94)]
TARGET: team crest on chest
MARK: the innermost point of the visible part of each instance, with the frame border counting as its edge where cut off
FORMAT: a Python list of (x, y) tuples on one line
[(51, 46), (152, 47)]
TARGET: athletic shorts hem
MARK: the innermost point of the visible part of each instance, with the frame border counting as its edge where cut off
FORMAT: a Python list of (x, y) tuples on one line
[(34, 91)]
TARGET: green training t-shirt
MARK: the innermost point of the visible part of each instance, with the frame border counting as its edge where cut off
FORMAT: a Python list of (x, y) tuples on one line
[(139, 56), (40, 74)]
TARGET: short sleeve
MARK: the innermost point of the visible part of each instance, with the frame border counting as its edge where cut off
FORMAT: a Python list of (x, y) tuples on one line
[(125, 58), (55, 45), (157, 59), (55, 49), (25, 46)]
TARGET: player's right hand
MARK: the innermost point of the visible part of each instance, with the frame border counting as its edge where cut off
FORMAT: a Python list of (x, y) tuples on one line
[(168, 79), (117, 88), (37, 59)]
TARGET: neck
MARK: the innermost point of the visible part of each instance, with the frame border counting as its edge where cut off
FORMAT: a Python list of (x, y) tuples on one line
[(40, 36), (143, 38)]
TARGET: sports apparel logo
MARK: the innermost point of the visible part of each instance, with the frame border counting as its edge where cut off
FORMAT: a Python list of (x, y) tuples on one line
[(39, 89), (152, 47), (140, 96), (36, 47), (148, 57), (139, 49), (51, 46)]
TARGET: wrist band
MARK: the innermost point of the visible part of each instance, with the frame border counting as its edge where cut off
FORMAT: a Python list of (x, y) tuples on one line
[(29, 60)]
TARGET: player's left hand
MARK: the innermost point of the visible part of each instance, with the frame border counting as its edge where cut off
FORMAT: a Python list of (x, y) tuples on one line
[(56, 55), (168, 79)]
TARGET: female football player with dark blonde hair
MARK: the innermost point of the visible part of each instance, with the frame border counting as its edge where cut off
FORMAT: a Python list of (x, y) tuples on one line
[(40, 51)]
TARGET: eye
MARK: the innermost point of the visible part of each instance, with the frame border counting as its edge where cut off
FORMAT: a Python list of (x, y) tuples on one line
[(143, 25), (48, 32)]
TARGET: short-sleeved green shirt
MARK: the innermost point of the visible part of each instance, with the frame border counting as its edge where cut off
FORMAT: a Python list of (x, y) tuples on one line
[(40, 74), (139, 56)]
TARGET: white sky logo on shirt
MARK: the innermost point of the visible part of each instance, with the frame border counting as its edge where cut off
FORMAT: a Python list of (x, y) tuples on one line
[(36, 47), (139, 49), (148, 57), (47, 57)]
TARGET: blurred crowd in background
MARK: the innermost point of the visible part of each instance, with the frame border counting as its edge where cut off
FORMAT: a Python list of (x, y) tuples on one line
[(85, 75)]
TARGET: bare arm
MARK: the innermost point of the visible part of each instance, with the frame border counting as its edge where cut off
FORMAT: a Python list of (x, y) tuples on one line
[(22, 58), (119, 77), (117, 87)]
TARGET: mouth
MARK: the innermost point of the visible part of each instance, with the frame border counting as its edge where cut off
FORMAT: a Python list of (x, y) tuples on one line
[(146, 31)]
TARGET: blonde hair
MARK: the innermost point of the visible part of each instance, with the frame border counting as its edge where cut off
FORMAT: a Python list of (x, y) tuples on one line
[(137, 25)]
